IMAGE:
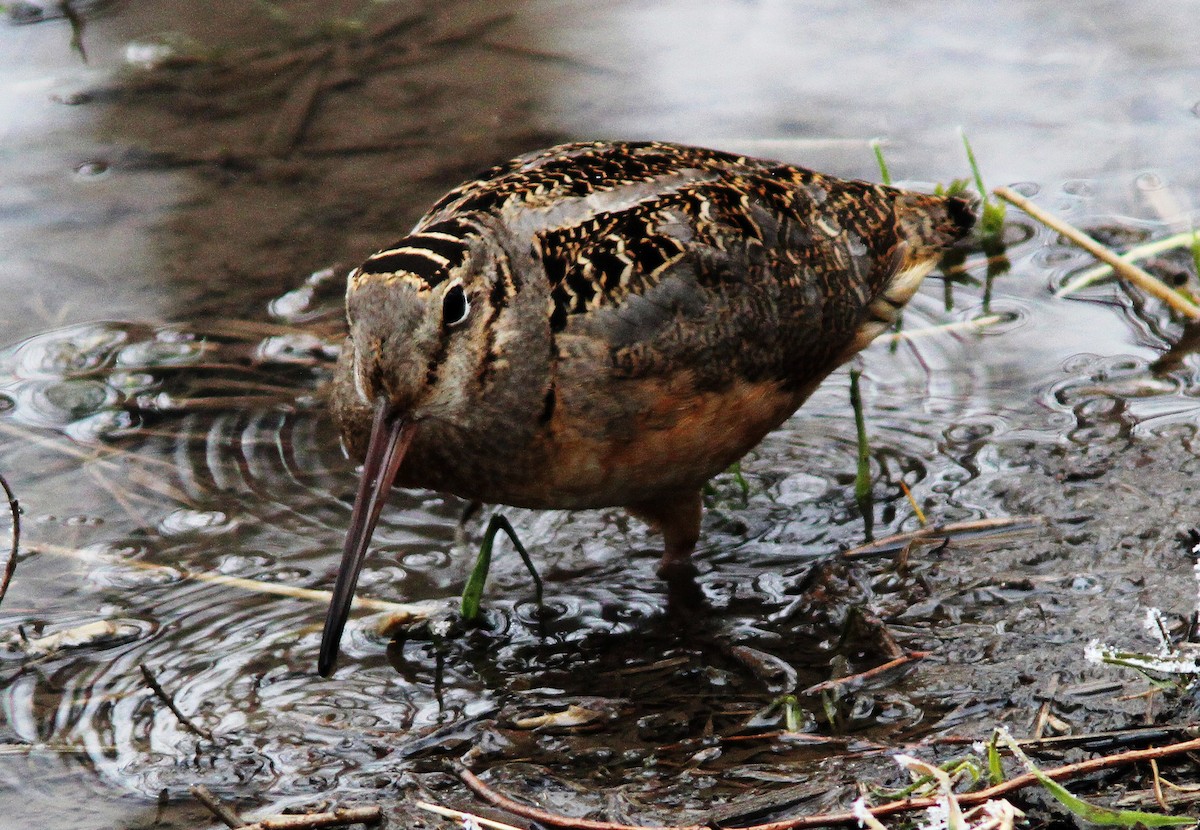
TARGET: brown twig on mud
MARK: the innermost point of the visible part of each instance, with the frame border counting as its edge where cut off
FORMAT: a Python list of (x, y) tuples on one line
[(309, 821), (1020, 782), (162, 695), (857, 679), (1122, 267), (897, 541), (214, 806), (1098, 741), (10, 566)]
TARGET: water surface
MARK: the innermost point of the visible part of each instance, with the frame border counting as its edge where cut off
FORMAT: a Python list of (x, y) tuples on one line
[(178, 213)]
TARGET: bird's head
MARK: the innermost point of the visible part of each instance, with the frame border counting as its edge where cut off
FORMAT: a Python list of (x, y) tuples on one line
[(416, 324), (415, 318)]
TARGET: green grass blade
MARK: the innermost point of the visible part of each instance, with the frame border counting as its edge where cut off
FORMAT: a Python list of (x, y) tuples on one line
[(992, 221), (995, 768), (975, 174), (473, 591), (862, 475), (1087, 811), (793, 715), (829, 706), (735, 469), (884, 174), (472, 596)]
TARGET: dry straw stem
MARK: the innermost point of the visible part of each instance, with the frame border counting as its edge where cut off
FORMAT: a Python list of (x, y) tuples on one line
[(906, 805), (52, 749), (464, 818), (408, 610), (940, 531), (1134, 254), (1123, 268), (371, 814)]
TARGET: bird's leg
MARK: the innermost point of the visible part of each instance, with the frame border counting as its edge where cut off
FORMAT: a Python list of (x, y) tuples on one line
[(677, 516), (474, 587), (469, 512)]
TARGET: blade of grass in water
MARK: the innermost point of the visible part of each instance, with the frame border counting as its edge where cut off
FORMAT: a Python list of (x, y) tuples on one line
[(884, 175), (992, 221)]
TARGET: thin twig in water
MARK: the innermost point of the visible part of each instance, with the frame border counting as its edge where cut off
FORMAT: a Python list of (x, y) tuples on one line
[(906, 805), (163, 404), (976, 324), (305, 821), (463, 818), (214, 806), (10, 567), (102, 455), (162, 695), (411, 610), (54, 749), (248, 330), (857, 679), (1138, 276), (937, 531)]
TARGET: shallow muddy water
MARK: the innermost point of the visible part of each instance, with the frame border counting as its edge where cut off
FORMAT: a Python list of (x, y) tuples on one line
[(176, 217)]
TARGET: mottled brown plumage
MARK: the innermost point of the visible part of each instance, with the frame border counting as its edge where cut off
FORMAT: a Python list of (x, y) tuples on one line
[(613, 324)]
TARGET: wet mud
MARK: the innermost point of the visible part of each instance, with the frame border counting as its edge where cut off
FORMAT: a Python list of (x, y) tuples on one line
[(179, 214)]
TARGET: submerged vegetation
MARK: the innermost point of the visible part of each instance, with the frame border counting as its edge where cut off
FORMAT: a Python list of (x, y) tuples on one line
[(991, 220)]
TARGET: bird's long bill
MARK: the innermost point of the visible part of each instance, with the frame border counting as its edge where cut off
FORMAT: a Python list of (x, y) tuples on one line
[(390, 438)]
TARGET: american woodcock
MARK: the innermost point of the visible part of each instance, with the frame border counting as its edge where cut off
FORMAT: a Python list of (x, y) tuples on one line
[(612, 324)]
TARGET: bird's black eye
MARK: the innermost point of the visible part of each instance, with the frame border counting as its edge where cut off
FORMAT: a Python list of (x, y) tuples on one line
[(455, 307)]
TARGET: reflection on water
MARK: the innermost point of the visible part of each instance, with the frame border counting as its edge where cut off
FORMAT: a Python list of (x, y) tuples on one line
[(151, 458)]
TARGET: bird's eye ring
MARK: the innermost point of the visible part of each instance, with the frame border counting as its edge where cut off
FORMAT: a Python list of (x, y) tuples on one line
[(455, 306)]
